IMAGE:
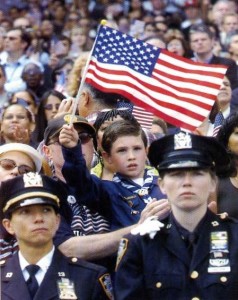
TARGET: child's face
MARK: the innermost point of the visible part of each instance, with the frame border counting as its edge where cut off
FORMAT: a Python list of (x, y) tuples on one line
[(128, 156)]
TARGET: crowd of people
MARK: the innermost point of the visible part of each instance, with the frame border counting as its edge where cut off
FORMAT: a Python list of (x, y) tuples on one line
[(93, 205)]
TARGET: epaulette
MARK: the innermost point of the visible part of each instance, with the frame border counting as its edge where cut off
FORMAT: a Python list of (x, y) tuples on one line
[(83, 263)]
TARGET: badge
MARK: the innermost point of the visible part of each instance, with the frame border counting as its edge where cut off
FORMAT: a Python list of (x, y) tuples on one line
[(121, 250), (143, 192), (182, 140), (106, 283), (66, 289), (219, 253), (32, 179)]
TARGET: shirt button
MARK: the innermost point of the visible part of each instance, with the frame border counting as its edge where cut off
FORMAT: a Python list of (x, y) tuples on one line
[(194, 275), (158, 285), (223, 279)]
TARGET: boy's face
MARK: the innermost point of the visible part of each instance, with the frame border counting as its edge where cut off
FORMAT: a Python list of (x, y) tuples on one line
[(128, 156)]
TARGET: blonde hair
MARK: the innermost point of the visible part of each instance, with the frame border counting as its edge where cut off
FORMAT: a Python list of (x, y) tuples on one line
[(75, 75)]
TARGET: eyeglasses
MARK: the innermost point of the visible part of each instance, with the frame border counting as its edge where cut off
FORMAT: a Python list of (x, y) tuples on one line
[(84, 137), (11, 38), (22, 102), (50, 106), (9, 164)]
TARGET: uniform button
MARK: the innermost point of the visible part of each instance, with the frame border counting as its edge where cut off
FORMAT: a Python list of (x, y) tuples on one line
[(195, 298), (158, 285), (223, 279), (194, 275), (74, 259)]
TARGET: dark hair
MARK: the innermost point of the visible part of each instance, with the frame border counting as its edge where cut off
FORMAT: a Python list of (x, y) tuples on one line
[(201, 28), (41, 122), (227, 128), (121, 128), (160, 122)]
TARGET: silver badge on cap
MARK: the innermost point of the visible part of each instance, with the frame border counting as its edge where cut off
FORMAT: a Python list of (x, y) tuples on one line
[(182, 140), (32, 179)]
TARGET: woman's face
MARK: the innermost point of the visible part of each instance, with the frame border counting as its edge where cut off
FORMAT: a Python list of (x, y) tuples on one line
[(51, 107), (233, 141), (176, 47), (20, 159), (16, 125), (78, 38)]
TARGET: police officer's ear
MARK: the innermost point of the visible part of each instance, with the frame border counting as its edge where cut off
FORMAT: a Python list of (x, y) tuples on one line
[(161, 185), (8, 226)]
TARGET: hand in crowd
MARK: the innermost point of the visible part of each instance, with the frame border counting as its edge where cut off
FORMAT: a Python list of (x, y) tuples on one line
[(66, 106), (21, 134), (159, 208), (68, 136)]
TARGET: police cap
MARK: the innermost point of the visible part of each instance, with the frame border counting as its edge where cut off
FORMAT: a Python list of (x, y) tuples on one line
[(184, 150)]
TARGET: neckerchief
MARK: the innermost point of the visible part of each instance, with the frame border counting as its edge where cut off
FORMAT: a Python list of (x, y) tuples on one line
[(143, 192)]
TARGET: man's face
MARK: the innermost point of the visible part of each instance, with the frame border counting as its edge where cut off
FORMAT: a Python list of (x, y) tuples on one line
[(225, 92), (13, 42), (201, 43), (230, 24), (34, 226)]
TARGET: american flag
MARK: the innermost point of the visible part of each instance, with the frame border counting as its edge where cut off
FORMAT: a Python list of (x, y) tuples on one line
[(178, 90), (219, 119), (144, 117)]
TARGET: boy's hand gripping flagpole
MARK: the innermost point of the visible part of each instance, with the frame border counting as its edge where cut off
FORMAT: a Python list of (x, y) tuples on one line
[(76, 101)]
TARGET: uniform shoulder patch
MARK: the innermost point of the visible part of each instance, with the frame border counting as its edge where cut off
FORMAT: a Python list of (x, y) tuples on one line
[(121, 250), (106, 284)]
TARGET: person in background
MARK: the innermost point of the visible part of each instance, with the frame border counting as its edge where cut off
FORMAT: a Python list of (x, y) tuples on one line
[(159, 126), (26, 98), (178, 46), (17, 125), (30, 205), (14, 58), (122, 199), (48, 108), (227, 188), (202, 42), (192, 252)]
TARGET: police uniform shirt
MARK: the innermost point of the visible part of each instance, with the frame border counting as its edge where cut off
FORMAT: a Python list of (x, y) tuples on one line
[(43, 263)]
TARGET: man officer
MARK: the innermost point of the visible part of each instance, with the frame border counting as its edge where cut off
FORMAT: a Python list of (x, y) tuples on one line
[(30, 204), (195, 254)]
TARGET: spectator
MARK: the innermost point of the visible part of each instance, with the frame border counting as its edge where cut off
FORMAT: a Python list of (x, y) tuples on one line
[(80, 42), (185, 255), (16, 43), (229, 26), (28, 99), (132, 182), (159, 126), (33, 75), (47, 110), (201, 43), (227, 190), (178, 46), (25, 218), (17, 125)]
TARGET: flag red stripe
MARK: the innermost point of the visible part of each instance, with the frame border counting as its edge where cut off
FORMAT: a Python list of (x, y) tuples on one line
[(121, 79)]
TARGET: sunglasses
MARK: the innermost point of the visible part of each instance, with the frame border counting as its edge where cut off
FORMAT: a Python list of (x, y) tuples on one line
[(22, 102), (9, 164), (84, 137), (50, 106)]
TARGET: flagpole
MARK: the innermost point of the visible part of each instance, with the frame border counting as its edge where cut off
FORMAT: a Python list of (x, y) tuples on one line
[(76, 100)]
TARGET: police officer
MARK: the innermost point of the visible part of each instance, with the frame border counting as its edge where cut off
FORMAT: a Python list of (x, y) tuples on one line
[(30, 204), (193, 253)]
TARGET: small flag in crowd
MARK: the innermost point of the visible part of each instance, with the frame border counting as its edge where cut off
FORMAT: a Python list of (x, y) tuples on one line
[(219, 119), (176, 89), (144, 117)]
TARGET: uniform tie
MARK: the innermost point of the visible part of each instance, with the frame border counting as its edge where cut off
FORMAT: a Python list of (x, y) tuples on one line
[(32, 282)]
